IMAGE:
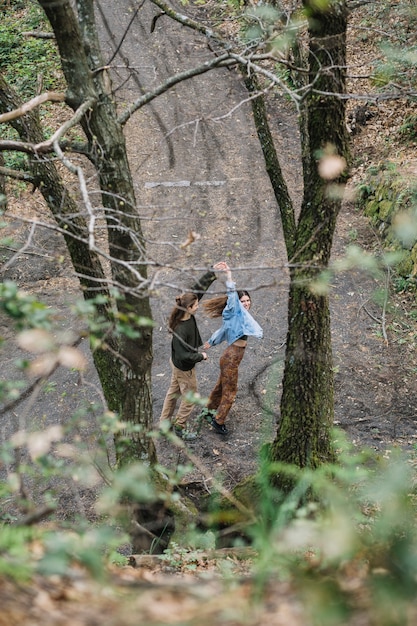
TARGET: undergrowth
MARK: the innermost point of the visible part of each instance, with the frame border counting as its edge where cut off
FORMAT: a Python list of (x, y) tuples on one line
[(346, 530), (20, 53)]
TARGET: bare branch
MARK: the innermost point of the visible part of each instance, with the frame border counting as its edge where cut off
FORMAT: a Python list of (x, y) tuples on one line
[(51, 96), (10, 262), (17, 146), (79, 113), (17, 174), (222, 61), (185, 20), (259, 93), (78, 170), (38, 34)]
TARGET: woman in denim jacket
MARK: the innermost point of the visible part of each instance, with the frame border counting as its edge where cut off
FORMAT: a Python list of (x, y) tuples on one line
[(238, 325)]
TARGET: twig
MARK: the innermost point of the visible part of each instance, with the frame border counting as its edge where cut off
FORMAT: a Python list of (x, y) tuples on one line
[(38, 34), (79, 113), (206, 473), (51, 96), (370, 314), (35, 517), (382, 321), (21, 250), (384, 307)]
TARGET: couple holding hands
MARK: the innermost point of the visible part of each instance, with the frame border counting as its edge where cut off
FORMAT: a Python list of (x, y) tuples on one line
[(237, 325)]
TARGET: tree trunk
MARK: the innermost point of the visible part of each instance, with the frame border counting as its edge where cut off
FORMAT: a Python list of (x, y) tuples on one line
[(272, 164), (62, 205), (307, 403), (125, 374)]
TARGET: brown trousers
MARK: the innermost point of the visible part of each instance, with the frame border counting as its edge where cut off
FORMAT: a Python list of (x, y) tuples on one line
[(225, 390), (181, 383)]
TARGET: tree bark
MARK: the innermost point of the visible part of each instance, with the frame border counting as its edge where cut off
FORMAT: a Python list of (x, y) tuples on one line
[(307, 402), (125, 372), (272, 164)]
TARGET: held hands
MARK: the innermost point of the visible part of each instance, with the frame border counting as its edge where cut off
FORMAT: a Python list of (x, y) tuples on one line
[(206, 346), (223, 267)]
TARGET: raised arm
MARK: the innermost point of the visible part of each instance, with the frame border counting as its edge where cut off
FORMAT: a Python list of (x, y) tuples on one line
[(204, 282)]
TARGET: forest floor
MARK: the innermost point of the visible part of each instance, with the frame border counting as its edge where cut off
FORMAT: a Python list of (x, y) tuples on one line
[(208, 176)]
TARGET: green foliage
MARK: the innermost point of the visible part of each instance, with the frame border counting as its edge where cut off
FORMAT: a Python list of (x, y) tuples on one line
[(87, 548), (14, 548), (403, 284), (398, 65), (19, 54), (356, 258), (408, 129), (11, 389), (398, 56), (121, 323), (390, 200), (14, 160), (262, 21), (183, 559), (132, 483), (355, 517), (318, 5), (25, 309), (44, 457)]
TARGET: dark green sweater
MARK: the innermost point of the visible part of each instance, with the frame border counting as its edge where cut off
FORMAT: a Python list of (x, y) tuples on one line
[(186, 338)]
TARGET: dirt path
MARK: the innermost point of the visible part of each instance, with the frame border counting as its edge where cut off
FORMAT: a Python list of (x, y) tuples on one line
[(198, 166)]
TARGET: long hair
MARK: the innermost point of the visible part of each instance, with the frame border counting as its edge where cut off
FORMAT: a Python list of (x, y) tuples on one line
[(182, 303), (214, 307)]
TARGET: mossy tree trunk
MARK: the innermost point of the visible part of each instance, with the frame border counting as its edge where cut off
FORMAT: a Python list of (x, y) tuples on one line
[(124, 364), (307, 402)]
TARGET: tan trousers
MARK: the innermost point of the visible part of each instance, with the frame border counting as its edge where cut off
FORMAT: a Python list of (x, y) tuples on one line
[(181, 383)]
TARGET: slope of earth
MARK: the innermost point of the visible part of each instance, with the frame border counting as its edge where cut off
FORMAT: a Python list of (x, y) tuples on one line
[(197, 166)]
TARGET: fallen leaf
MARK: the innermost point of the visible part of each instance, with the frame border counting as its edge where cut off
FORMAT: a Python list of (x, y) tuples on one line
[(191, 237), (36, 340), (43, 365), (72, 358)]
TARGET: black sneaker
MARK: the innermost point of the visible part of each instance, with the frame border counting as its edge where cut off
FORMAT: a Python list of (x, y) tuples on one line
[(183, 434), (219, 428)]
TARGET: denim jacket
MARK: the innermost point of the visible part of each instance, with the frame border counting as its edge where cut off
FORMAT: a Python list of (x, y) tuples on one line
[(237, 321)]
